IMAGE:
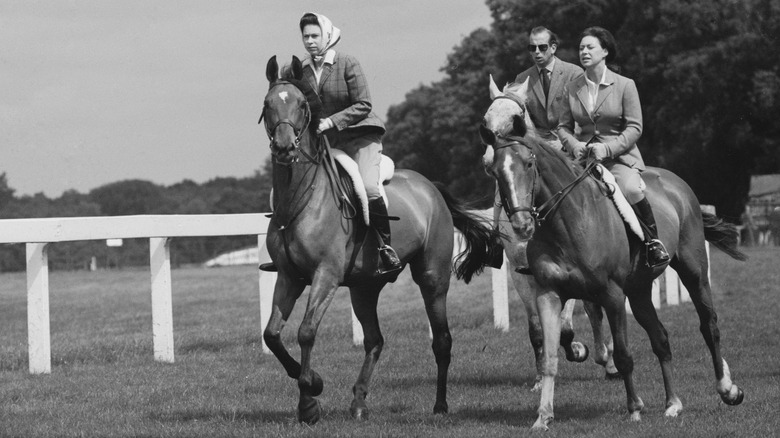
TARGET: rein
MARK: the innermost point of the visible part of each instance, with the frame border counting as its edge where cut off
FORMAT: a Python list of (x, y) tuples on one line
[(540, 213)]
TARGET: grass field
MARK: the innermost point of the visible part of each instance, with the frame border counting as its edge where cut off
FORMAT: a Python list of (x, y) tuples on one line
[(104, 381)]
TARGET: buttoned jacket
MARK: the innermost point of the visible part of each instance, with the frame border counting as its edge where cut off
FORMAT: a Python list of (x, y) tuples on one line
[(545, 112), (343, 90), (616, 120)]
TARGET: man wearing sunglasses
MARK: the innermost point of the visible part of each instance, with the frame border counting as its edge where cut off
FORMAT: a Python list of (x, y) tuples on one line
[(546, 80)]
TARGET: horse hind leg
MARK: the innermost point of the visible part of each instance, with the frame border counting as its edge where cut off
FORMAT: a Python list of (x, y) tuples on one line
[(692, 272), (364, 303), (575, 351), (434, 285), (602, 344), (645, 314)]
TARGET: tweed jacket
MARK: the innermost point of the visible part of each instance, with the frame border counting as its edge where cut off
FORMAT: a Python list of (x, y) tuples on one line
[(616, 120), (543, 113), (345, 97)]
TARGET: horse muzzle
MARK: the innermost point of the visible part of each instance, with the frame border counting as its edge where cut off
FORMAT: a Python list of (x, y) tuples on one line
[(523, 225)]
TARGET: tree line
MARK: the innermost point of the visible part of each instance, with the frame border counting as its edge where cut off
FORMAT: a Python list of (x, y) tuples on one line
[(133, 197), (706, 70)]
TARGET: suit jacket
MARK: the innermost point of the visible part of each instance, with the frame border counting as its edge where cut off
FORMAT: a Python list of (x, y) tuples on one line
[(543, 113), (345, 98), (616, 120)]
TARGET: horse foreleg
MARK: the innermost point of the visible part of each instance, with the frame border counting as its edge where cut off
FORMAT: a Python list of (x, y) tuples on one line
[(616, 314), (549, 306), (286, 293), (364, 302), (575, 351), (601, 343), (526, 288), (309, 382)]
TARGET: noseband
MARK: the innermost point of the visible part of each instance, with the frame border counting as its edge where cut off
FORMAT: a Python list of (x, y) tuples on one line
[(298, 132)]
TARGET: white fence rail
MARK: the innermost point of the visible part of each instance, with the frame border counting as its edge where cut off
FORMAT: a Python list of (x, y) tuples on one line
[(38, 233)]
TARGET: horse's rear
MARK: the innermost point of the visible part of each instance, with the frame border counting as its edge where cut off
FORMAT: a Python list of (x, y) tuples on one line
[(685, 229)]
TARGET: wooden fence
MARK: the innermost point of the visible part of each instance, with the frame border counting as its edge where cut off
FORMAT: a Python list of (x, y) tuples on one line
[(37, 234)]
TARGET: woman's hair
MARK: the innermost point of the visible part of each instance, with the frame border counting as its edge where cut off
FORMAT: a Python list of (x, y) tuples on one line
[(307, 19), (605, 38)]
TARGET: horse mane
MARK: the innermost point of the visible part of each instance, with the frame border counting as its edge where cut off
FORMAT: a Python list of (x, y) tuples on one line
[(513, 89)]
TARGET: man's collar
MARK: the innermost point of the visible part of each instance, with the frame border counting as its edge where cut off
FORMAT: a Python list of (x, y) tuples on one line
[(549, 66)]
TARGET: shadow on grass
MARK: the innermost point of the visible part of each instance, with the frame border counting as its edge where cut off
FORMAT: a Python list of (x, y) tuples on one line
[(191, 415)]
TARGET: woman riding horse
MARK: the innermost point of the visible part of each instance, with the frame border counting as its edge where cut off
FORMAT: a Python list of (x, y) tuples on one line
[(347, 119), (606, 106)]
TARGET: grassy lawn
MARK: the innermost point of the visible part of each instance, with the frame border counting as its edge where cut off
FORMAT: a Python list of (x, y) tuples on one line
[(104, 381)]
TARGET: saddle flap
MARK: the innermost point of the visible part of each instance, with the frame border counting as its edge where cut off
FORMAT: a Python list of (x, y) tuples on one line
[(386, 168), (622, 205)]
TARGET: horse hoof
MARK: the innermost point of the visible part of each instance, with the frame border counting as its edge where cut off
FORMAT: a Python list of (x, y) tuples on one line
[(441, 408), (736, 400), (309, 410), (359, 411), (579, 352), (542, 423), (636, 416), (613, 376), (673, 409)]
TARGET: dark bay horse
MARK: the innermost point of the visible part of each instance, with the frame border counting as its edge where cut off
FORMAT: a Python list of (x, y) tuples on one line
[(580, 248), (314, 240)]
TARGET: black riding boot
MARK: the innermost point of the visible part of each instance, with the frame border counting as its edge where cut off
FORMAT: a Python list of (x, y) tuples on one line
[(656, 252), (381, 223)]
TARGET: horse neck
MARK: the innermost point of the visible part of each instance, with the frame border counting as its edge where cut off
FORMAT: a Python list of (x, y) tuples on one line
[(298, 185), (580, 209)]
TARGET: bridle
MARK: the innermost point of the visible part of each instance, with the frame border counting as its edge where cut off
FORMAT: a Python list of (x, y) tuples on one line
[(299, 132), (540, 213)]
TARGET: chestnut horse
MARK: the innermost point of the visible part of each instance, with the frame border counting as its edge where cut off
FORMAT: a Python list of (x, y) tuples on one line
[(580, 248), (315, 239)]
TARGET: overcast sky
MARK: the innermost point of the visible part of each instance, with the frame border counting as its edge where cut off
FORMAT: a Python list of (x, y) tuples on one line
[(93, 92)]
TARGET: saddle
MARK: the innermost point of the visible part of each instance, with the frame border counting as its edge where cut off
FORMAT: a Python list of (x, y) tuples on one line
[(386, 170)]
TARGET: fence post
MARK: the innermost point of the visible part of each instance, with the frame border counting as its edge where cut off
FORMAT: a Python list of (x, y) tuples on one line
[(38, 332), (501, 296), (267, 282), (162, 304)]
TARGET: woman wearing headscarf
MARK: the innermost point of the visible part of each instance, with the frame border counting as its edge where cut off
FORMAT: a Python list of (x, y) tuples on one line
[(348, 121), (606, 107)]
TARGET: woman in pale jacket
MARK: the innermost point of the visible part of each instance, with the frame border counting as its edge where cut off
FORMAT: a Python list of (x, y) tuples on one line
[(606, 107)]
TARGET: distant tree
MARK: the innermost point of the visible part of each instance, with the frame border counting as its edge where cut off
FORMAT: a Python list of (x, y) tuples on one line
[(129, 197)]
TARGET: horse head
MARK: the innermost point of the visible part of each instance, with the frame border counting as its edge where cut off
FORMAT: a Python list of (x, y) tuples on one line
[(287, 112), (509, 155)]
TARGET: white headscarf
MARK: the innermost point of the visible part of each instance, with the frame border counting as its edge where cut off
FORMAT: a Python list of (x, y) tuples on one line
[(330, 34)]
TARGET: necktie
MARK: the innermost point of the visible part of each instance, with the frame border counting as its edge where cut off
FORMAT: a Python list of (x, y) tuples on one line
[(545, 82)]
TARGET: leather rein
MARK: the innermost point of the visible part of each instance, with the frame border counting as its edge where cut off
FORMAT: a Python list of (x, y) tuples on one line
[(540, 213)]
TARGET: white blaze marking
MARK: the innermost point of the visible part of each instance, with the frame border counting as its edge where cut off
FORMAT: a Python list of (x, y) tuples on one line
[(283, 96)]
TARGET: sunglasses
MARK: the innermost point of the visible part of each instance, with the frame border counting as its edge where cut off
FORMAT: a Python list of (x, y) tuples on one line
[(542, 47)]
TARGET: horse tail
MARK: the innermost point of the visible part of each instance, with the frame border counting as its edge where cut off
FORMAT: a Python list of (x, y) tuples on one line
[(723, 235), (477, 234)]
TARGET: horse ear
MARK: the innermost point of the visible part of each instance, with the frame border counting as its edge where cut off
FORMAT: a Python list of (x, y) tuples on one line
[(518, 125), (297, 68), (272, 69), (494, 91), (487, 136), (523, 90)]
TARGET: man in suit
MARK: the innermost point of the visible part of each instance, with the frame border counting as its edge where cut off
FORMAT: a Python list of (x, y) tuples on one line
[(546, 81)]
